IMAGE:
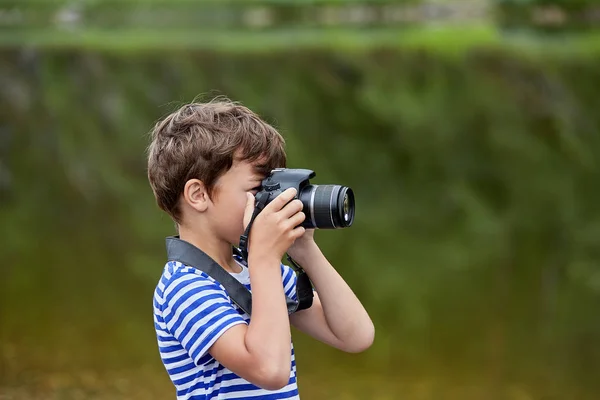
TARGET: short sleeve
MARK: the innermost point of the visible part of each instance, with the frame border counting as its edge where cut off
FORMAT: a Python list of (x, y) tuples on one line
[(197, 311), (289, 281)]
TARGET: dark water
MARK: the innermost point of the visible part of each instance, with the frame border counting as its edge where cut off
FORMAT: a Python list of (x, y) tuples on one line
[(474, 247)]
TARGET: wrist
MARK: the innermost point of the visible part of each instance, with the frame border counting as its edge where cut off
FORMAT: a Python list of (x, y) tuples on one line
[(305, 253), (262, 258)]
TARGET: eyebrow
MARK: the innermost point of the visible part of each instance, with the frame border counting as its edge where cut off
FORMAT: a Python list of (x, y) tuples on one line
[(261, 170)]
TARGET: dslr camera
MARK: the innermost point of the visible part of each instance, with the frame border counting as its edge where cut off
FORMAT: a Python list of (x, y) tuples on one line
[(325, 206)]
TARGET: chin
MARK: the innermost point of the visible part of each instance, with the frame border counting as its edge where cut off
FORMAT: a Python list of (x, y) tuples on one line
[(233, 236), (235, 240)]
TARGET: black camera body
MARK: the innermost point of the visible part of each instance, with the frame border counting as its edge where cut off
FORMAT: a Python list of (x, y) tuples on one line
[(325, 206)]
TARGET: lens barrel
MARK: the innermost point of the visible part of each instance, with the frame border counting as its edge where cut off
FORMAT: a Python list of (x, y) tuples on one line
[(327, 206)]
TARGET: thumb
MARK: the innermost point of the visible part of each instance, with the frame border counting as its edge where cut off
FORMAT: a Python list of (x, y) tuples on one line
[(249, 210)]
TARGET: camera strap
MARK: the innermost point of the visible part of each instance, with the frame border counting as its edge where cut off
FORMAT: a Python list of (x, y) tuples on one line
[(260, 202), (188, 254)]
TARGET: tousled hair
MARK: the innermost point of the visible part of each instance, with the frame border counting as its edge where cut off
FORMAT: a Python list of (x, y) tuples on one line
[(201, 141)]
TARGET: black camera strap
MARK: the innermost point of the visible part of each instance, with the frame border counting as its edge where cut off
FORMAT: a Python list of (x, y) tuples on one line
[(260, 202), (188, 254)]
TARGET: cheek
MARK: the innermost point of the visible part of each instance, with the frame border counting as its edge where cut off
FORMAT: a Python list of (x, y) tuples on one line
[(241, 205), (231, 204), (236, 206)]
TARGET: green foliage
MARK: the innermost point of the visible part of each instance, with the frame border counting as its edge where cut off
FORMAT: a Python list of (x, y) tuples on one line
[(547, 16), (474, 246)]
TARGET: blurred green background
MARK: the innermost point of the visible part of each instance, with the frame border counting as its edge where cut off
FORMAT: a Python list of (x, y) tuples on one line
[(469, 131)]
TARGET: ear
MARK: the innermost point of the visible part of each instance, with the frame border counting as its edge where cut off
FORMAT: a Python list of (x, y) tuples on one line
[(196, 195)]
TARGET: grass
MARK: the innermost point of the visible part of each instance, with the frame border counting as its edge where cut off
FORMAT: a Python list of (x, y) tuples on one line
[(242, 40), (450, 40)]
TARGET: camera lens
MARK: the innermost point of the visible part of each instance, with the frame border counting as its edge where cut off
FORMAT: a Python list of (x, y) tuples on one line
[(346, 211), (346, 208), (327, 206)]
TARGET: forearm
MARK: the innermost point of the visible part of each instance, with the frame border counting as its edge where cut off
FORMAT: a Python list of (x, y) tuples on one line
[(260, 352), (345, 315), (268, 337)]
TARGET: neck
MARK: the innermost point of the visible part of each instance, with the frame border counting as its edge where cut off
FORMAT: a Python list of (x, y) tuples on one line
[(218, 250)]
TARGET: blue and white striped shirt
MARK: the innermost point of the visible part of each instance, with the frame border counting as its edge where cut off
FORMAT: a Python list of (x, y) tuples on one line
[(191, 311)]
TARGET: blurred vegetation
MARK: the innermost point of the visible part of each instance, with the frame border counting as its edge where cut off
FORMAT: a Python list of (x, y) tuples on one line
[(548, 16), (473, 156)]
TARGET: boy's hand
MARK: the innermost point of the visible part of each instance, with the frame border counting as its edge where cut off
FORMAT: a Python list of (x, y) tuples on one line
[(276, 227), (302, 245), (260, 351)]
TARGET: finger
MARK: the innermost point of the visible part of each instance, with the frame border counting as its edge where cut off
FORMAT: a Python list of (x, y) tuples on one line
[(291, 208), (249, 210), (296, 219), (281, 200), (298, 232)]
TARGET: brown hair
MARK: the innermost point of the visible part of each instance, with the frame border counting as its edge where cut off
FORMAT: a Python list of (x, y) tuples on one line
[(201, 141)]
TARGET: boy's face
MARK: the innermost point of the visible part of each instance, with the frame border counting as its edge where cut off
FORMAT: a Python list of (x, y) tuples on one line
[(230, 197)]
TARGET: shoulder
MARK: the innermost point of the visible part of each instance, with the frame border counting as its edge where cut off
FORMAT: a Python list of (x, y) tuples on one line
[(178, 282), (287, 273), (196, 310), (289, 279)]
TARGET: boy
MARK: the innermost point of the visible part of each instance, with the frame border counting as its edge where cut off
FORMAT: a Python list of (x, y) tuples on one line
[(205, 164)]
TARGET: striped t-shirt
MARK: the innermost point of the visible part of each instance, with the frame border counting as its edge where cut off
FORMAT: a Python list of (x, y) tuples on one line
[(191, 311)]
